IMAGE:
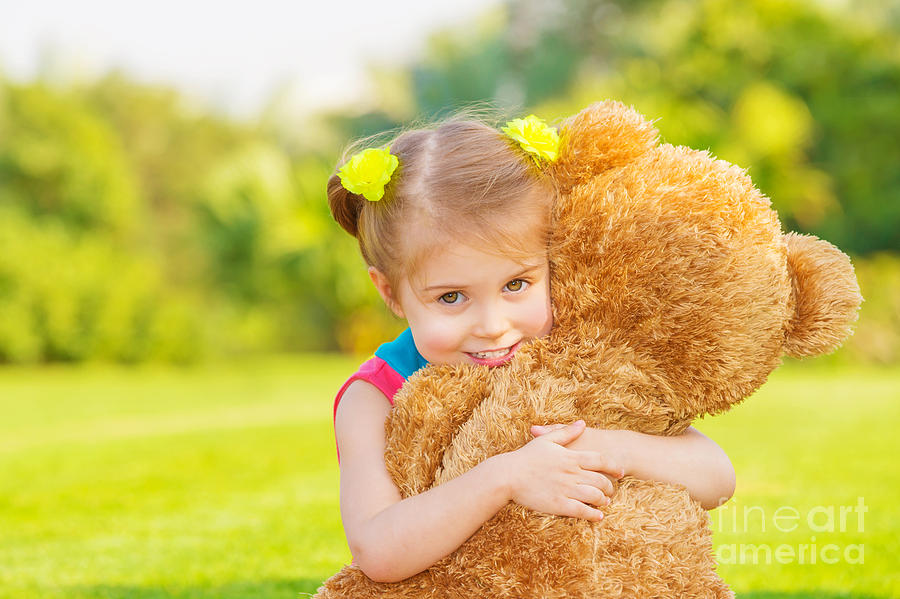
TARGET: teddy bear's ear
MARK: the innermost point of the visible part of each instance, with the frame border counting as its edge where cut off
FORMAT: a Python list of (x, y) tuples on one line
[(602, 136), (825, 293)]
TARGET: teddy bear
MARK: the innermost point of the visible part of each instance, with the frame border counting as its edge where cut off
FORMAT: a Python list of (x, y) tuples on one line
[(675, 293)]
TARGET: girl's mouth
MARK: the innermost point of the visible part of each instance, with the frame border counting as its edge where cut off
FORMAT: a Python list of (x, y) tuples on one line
[(494, 357)]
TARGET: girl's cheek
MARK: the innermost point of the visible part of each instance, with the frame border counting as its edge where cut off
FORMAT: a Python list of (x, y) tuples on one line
[(545, 318), (547, 322), (443, 334), (540, 314)]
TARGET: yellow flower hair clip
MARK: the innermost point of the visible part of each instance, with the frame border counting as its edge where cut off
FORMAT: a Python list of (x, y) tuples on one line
[(368, 172), (535, 137)]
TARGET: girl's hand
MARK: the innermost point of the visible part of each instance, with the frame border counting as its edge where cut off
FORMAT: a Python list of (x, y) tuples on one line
[(546, 476), (690, 459)]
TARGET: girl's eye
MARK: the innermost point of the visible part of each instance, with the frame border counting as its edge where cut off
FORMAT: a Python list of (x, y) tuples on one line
[(516, 285), (454, 297)]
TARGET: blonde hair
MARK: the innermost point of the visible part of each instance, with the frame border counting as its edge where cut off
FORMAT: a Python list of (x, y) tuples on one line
[(461, 179)]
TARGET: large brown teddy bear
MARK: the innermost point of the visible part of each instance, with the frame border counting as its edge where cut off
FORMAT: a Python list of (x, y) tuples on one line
[(675, 294)]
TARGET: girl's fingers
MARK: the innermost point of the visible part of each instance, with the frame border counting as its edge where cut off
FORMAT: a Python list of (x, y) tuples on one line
[(539, 429), (598, 481), (577, 509), (566, 434), (590, 494), (591, 460)]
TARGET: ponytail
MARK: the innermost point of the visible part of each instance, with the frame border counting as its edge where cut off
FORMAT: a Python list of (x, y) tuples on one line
[(345, 206)]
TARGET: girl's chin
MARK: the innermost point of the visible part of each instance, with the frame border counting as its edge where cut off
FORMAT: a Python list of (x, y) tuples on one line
[(498, 361)]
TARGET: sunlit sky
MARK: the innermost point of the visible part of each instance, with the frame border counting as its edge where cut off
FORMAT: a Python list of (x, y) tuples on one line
[(230, 54)]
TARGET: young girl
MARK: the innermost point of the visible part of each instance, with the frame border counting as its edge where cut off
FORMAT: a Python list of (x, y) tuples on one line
[(453, 223)]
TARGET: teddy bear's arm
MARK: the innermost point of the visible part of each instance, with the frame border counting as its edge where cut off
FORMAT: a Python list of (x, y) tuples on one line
[(427, 412)]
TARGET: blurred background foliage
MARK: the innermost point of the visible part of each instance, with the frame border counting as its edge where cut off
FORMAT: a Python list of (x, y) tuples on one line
[(136, 226)]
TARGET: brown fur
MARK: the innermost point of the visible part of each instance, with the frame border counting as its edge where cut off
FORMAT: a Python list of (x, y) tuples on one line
[(675, 294)]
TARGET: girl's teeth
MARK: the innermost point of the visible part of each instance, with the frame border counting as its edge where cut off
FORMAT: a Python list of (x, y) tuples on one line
[(491, 354)]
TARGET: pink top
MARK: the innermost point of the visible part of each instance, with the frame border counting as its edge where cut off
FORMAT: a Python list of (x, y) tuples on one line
[(379, 373)]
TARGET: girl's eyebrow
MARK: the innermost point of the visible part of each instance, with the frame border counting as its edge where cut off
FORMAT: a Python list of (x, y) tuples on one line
[(527, 270), (443, 286), (521, 273)]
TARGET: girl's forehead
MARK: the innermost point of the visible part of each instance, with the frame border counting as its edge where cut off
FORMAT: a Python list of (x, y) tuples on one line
[(460, 265), (436, 246), (457, 254)]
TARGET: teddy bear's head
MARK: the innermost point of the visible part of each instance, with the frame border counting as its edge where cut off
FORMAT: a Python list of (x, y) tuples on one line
[(673, 268)]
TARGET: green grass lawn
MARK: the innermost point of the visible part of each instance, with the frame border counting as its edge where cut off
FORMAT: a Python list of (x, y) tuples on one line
[(221, 482)]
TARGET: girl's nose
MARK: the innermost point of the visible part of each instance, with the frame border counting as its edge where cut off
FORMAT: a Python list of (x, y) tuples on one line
[(493, 323)]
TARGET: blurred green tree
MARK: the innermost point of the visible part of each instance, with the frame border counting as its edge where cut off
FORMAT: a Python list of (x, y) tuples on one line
[(59, 160)]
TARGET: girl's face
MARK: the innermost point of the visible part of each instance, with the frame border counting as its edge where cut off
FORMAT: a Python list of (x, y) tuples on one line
[(470, 306)]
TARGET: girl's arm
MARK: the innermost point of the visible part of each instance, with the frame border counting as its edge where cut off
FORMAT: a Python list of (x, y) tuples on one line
[(690, 459), (392, 539)]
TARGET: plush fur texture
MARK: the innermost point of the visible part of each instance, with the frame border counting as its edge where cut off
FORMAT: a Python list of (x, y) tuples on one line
[(675, 294)]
